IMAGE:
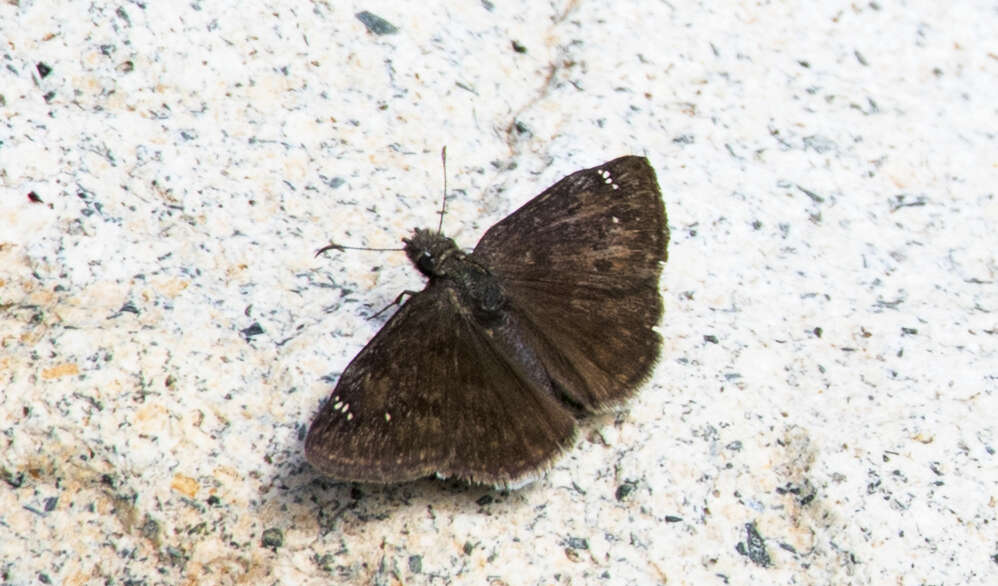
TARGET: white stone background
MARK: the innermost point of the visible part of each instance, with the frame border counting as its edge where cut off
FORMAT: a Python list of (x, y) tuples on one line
[(824, 165)]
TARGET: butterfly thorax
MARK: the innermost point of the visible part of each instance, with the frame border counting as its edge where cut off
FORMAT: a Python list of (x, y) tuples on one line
[(439, 258)]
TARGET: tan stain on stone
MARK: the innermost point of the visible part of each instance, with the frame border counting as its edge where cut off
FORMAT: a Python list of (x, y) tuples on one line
[(60, 370), (185, 485)]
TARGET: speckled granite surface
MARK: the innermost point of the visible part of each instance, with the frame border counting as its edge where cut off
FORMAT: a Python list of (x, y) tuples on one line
[(824, 409)]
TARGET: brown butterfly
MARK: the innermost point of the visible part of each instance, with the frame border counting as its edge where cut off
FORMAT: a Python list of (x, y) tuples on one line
[(481, 374)]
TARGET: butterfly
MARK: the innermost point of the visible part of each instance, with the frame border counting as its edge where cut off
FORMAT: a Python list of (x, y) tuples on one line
[(482, 374)]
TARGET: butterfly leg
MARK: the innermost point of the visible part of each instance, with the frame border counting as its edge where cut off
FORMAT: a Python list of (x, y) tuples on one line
[(398, 301)]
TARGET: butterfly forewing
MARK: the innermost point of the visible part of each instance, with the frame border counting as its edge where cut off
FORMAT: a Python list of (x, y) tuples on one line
[(580, 264), (429, 394)]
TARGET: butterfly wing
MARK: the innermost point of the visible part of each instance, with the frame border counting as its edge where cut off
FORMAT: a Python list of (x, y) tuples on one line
[(430, 394), (580, 264)]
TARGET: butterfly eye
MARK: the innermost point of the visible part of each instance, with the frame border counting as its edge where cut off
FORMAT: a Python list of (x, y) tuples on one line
[(425, 262)]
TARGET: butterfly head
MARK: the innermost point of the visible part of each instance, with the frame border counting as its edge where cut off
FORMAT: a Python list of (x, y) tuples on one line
[(430, 250)]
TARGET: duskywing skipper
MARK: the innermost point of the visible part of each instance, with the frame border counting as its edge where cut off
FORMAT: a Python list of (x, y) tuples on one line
[(481, 374)]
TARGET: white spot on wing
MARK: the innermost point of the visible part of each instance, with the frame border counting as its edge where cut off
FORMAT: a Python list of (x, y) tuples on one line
[(606, 178)]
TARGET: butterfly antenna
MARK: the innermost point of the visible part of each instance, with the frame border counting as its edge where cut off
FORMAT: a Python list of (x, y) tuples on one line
[(341, 247), (440, 224), (443, 204)]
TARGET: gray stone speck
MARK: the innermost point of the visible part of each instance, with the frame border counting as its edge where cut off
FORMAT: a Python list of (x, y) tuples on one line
[(375, 24)]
